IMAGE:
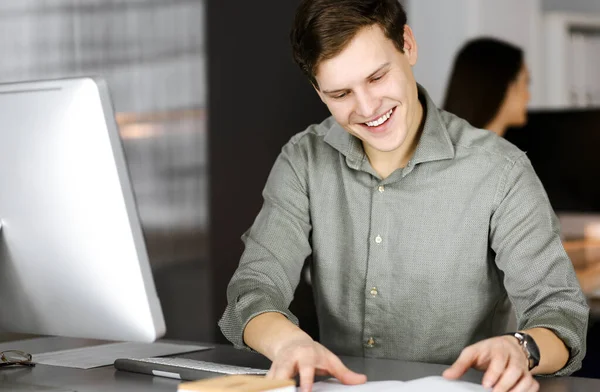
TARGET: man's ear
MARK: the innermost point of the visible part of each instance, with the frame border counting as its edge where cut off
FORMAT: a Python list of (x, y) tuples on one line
[(321, 95), (411, 50)]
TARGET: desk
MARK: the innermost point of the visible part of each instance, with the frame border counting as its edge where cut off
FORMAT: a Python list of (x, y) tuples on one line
[(108, 379)]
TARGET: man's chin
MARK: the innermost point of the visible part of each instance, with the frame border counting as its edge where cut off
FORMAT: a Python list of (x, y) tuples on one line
[(384, 147)]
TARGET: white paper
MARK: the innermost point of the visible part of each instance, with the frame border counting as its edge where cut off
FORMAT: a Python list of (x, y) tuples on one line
[(438, 383), (334, 385), (106, 354), (426, 384)]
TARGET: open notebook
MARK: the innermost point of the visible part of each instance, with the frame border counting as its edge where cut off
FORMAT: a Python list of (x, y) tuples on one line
[(426, 384)]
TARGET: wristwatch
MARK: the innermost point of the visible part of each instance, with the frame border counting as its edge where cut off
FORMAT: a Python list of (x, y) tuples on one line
[(530, 348)]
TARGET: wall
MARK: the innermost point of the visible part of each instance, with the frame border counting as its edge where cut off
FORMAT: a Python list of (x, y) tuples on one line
[(442, 27), (435, 41), (519, 22)]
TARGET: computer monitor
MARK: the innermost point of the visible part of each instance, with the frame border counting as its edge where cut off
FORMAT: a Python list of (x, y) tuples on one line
[(73, 261), (563, 148)]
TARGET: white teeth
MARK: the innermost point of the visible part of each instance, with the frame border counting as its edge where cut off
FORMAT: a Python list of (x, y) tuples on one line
[(381, 119)]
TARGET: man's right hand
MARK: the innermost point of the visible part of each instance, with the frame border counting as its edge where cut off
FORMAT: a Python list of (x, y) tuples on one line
[(308, 358), (294, 352)]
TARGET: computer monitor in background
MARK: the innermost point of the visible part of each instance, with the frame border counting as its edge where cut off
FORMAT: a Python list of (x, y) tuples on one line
[(564, 149), (73, 261)]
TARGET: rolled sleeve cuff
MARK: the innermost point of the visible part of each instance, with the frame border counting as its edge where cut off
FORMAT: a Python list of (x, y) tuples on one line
[(237, 315), (574, 342)]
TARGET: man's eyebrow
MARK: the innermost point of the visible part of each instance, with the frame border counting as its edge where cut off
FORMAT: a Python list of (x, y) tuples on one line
[(368, 77), (378, 70)]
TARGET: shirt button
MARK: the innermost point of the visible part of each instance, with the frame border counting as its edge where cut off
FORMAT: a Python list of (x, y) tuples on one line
[(381, 189), (378, 239), (374, 292), (371, 342)]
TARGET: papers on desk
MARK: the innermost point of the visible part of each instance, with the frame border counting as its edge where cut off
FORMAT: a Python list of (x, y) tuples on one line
[(106, 354), (426, 384)]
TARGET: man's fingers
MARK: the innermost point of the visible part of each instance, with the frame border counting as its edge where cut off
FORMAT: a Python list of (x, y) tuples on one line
[(353, 378), (466, 358), (308, 361), (535, 385), (307, 376), (526, 384), (494, 372), (337, 369), (511, 376)]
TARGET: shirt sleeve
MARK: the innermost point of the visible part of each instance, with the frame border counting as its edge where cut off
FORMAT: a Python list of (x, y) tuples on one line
[(538, 275), (276, 247)]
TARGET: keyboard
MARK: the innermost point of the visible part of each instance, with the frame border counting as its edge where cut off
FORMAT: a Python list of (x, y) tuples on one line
[(182, 368), (105, 354)]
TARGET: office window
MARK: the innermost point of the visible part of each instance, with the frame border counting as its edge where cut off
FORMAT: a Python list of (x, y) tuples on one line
[(152, 54)]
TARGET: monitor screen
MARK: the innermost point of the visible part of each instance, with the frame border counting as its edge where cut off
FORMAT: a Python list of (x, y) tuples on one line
[(564, 149), (73, 261)]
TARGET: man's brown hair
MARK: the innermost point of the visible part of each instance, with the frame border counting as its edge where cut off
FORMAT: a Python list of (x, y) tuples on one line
[(323, 28)]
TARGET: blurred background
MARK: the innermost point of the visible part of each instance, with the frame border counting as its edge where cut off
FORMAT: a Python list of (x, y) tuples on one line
[(206, 94), (153, 55)]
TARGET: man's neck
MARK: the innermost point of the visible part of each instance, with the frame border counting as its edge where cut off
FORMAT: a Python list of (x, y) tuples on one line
[(385, 163)]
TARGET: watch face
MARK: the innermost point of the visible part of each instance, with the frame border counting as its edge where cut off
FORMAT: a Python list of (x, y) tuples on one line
[(532, 350)]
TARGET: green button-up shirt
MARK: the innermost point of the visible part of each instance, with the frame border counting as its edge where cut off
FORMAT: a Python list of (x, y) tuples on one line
[(418, 265)]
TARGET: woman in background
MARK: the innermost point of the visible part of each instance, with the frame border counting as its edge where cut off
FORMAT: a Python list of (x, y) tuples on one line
[(489, 85)]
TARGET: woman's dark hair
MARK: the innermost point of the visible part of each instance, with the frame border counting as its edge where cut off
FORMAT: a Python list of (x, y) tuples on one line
[(323, 28), (482, 73)]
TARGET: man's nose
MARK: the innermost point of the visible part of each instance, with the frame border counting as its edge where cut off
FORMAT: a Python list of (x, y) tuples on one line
[(367, 105)]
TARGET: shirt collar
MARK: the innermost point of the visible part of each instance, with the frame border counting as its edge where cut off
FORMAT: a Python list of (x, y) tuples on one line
[(434, 144)]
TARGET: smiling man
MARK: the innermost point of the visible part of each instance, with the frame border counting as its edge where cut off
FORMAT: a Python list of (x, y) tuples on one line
[(422, 229)]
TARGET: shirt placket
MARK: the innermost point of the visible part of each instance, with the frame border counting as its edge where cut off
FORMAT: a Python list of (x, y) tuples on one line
[(375, 290)]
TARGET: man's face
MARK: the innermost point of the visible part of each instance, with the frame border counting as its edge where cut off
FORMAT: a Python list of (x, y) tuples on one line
[(370, 89)]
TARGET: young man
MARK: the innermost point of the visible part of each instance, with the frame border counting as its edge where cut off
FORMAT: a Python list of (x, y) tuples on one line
[(422, 229)]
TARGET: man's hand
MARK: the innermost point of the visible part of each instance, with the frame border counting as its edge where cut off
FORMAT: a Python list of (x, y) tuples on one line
[(309, 358), (504, 362)]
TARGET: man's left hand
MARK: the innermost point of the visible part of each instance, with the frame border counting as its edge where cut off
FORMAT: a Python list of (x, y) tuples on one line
[(502, 359)]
